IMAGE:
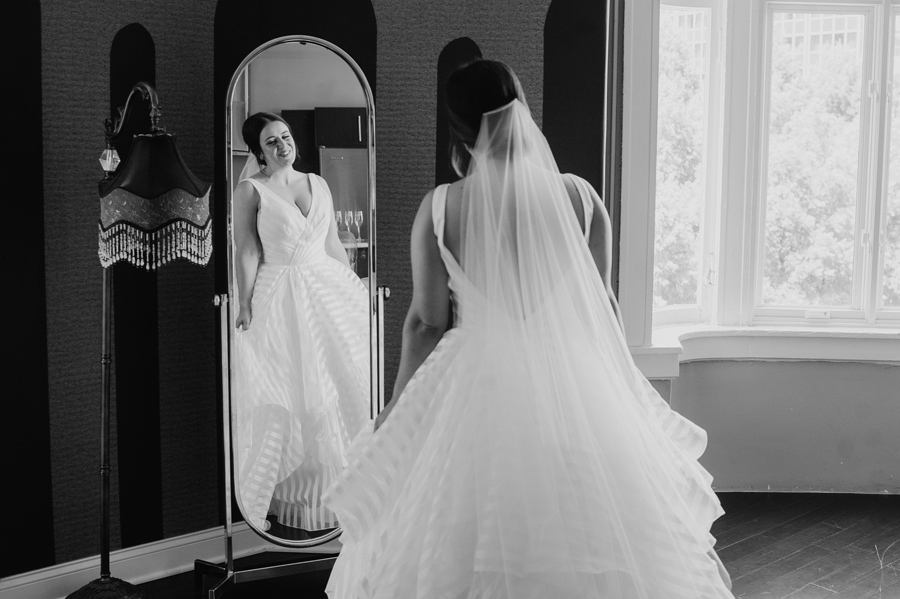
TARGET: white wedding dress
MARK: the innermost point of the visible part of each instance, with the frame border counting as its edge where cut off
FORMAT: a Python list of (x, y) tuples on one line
[(301, 370), (527, 458)]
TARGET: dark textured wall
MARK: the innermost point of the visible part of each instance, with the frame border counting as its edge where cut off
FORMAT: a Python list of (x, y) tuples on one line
[(76, 42), (76, 38), (410, 41)]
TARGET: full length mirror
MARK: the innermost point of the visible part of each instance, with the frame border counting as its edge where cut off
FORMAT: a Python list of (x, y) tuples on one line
[(302, 281)]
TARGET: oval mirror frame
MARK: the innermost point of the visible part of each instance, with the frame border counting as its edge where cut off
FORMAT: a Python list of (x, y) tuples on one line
[(375, 294)]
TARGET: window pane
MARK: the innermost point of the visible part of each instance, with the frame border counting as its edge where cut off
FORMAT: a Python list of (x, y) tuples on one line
[(891, 285), (680, 154), (813, 148)]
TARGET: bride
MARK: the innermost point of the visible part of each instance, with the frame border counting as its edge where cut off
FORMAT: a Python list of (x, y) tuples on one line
[(301, 351), (522, 455)]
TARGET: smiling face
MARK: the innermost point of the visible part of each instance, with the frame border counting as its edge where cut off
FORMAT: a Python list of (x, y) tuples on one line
[(277, 144)]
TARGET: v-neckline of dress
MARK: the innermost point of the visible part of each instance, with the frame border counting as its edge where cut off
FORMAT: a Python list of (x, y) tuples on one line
[(312, 197)]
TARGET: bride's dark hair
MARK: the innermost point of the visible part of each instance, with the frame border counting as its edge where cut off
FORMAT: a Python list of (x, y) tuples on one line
[(252, 128), (471, 90)]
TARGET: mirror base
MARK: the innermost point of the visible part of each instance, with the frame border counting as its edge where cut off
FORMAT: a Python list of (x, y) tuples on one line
[(299, 564)]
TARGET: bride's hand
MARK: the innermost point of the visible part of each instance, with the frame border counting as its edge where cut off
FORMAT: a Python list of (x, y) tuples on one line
[(243, 319), (383, 414), (379, 420)]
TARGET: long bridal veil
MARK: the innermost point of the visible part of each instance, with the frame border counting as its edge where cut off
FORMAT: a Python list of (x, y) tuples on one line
[(251, 167), (524, 252), (611, 471)]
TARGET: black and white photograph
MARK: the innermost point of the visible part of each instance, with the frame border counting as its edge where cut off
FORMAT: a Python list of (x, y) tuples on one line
[(452, 299)]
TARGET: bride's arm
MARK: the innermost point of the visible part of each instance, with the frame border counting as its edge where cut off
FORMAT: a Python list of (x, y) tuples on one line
[(429, 313), (601, 249), (245, 206)]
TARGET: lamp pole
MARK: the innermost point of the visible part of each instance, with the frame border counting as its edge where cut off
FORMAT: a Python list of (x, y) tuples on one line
[(105, 363)]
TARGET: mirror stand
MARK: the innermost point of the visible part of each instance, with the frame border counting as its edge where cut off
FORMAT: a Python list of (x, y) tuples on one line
[(327, 106), (232, 577), (227, 574)]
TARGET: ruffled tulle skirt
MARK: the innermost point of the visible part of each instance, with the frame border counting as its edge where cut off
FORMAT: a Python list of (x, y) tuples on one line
[(494, 478), (300, 388)]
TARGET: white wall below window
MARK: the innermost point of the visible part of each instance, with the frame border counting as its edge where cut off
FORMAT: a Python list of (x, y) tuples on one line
[(795, 426)]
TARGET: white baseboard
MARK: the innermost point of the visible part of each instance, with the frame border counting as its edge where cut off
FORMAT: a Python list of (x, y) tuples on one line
[(143, 563)]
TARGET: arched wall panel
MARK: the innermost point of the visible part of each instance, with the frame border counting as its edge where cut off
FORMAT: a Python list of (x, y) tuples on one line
[(455, 54), (132, 58), (240, 28)]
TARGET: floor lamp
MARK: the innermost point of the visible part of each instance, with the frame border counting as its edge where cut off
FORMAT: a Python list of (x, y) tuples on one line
[(152, 210)]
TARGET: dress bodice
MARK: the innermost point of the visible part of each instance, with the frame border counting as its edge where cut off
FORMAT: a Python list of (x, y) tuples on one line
[(463, 293), (288, 237)]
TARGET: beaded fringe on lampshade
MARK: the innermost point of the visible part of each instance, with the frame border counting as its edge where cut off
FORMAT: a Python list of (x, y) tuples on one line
[(151, 232)]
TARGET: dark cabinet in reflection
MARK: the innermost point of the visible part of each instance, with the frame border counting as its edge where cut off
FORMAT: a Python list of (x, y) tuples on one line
[(325, 127), (303, 127), (341, 127)]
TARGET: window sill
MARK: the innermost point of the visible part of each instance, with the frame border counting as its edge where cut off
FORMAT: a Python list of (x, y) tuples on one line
[(673, 345)]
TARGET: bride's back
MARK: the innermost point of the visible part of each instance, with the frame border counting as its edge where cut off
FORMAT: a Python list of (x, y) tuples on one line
[(453, 229)]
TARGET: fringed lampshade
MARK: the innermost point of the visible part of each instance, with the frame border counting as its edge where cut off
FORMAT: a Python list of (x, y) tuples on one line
[(154, 209)]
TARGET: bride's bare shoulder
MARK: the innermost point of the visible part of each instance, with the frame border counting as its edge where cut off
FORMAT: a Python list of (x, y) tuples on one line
[(245, 193)]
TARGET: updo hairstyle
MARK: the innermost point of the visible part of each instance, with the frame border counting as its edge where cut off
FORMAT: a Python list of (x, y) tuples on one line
[(471, 90)]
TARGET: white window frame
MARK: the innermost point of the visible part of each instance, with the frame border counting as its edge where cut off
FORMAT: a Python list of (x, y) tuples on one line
[(855, 313), (736, 322), (890, 316), (705, 309)]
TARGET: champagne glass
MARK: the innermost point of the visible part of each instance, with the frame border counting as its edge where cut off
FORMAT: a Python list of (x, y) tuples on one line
[(337, 219), (358, 221)]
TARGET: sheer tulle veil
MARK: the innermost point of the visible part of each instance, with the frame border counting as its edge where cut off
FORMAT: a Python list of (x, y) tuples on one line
[(251, 167), (524, 251)]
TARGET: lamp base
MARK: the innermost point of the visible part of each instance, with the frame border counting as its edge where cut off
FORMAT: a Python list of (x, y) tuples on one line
[(110, 588)]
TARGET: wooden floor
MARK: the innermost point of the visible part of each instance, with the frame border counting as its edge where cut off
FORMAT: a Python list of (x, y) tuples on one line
[(775, 545), (810, 546)]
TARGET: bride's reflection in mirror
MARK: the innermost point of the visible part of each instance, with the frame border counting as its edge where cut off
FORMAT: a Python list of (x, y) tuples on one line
[(300, 361)]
